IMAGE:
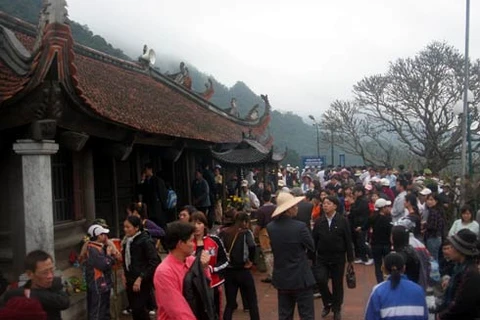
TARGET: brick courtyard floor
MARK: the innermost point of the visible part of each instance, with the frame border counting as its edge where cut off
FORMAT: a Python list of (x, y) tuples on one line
[(353, 308)]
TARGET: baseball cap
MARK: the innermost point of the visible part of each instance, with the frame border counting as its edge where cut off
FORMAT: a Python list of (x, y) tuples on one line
[(244, 183), (385, 182), (380, 203), (425, 192), (96, 230)]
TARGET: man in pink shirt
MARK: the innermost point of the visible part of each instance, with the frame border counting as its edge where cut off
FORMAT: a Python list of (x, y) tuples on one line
[(169, 276)]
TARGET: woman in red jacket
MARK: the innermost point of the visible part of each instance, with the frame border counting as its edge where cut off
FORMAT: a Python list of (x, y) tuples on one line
[(218, 256)]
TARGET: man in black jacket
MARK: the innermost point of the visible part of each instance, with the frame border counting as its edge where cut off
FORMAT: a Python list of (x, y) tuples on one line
[(333, 242), (360, 212), (154, 193), (292, 275), (305, 207), (43, 285)]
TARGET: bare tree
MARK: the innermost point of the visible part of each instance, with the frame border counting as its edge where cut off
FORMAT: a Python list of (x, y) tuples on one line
[(414, 101), (347, 127)]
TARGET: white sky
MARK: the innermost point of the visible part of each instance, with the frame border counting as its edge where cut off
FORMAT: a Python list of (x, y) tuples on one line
[(304, 54)]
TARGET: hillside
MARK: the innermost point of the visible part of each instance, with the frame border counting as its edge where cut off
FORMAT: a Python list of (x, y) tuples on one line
[(288, 129), (28, 10)]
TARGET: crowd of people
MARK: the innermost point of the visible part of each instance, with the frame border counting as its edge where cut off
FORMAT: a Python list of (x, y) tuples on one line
[(310, 226)]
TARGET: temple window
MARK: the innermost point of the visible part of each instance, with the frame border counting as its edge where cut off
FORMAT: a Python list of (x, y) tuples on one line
[(62, 182)]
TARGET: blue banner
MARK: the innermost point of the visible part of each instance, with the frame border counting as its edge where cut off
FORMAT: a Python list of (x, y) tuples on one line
[(312, 161)]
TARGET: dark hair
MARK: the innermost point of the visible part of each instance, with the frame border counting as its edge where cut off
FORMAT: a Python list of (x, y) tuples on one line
[(464, 209), (315, 194), (403, 183), (34, 257), (435, 197), (329, 187), (190, 209), (412, 199), (400, 237), (200, 216), (229, 216), (242, 217), (333, 199), (359, 188), (266, 196), (446, 242), (135, 221), (394, 264), (433, 187), (177, 231), (140, 208), (148, 165)]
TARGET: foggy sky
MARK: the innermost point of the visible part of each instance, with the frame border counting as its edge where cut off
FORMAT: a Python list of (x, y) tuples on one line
[(304, 54)]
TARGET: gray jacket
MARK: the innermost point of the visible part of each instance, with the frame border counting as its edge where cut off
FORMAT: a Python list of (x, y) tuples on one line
[(398, 208)]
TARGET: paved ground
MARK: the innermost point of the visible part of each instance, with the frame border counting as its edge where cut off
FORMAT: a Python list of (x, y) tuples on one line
[(354, 306)]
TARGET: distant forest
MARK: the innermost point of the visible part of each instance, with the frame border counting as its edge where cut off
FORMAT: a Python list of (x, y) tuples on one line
[(288, 129)]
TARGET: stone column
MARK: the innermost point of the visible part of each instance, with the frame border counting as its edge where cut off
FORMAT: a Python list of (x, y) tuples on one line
[(36, 223)]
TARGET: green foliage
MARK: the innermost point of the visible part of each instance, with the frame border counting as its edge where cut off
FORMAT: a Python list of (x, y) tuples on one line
[(24, 9), (290, 131), (292, 158), (28, 10), (83, 35)]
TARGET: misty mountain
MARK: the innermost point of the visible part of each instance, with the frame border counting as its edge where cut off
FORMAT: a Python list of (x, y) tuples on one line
[(28, 10), (288, 129)]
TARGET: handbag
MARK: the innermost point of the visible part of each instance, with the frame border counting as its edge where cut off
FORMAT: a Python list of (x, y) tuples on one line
[(351, 278)]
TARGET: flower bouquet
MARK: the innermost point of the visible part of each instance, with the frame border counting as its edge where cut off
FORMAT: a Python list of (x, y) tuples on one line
[(235, 202)]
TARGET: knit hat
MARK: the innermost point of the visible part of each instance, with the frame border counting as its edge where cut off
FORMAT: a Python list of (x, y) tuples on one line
[(23, 308), (465, 241)]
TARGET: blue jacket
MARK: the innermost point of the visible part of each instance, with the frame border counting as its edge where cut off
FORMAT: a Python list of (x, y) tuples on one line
[(98, 268), (405, 302)]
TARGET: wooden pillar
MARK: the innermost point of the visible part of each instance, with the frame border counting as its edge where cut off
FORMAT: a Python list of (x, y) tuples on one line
[(224, 189), (116, 217)]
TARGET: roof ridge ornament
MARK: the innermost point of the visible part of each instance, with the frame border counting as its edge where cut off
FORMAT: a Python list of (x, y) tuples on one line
[(53, 11), (253, 113), (268, 107), (233, 110), (183, 77), (209, 91)]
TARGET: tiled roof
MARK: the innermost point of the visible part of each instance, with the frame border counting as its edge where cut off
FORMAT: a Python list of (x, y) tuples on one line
[(249, 151), (10, 82), (241, 156), (141, 102), (128, 94), (248, 156)]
